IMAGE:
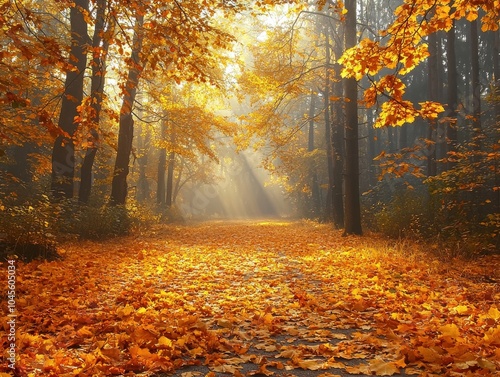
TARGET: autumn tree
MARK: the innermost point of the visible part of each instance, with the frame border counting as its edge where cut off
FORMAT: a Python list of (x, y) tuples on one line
[(288, 100), (63, 153), (29, 46), (126, 125), (180, 54), (100, 48), (433, 95), (352, 209), (452, 129), (191, 134)]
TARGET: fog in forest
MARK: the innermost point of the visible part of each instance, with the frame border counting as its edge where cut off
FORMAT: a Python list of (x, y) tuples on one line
[(243, 189)]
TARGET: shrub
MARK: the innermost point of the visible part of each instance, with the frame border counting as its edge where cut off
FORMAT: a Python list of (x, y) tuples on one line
[(27, 229), (170, 215), (101, 222), (26, 223), (406, 215)]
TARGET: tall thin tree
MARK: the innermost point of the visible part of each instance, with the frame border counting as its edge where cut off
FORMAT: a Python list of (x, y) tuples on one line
[(432, 68), (337, 137), (100, 46), (312, 167), (452, 131), (119, 187), (352, 206), (162, 163), (475, 81), (170, 172), (63, 152)]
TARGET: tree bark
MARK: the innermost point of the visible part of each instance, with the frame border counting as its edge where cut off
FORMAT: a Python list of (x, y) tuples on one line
[(496, 74), (338, 166), (142, 160), (452, 131), (119, 188), (170, 170), (337, 141), (475, 81), (328, 128), (352, 206), (338, 146), (312, 167), (162, 163), (96, 98), (63, 152), (433, 93)]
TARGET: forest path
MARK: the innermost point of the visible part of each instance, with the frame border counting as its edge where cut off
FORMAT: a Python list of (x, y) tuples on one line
[(255, 298)]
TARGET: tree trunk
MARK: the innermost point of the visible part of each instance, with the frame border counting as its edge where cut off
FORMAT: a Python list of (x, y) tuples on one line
[(371, 149), (337, 141), (328, 128), (338, 159), (496, 75), (496, 88), (63, 153), (162, 163), (178, 181), (352, 208), (86, 169), (96, 98), (312, 166), (391, 145), (142, 184), (475, 81), (170, 169), (403, 136), (119, 187), (433, 93), (452, 132)]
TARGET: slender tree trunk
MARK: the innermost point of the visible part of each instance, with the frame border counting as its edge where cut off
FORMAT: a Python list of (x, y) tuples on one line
[(452, 131), (178, 181), (433, 94), (86, 169), (63, 153), (96, 99), (170, 179), (162, 163), (143, 146), (352, 209), (312, 167), (328, 128), (475, 81), (119, 188), (338, 139), (372, 153), (496, 99), (403, 137), (391, 145), (170, 169), (338, 146), (496, 75)]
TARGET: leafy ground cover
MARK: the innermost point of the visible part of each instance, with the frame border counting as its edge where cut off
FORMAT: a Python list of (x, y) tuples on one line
[(254, 298)]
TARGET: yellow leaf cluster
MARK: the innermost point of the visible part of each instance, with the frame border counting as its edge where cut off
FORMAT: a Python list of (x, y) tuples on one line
[(404, 47), (395, 113)]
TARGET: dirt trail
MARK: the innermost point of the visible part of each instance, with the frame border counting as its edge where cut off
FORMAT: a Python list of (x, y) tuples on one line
[(255, 298)]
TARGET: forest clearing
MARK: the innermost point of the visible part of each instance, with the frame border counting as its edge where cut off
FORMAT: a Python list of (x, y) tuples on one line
[(245, 298)]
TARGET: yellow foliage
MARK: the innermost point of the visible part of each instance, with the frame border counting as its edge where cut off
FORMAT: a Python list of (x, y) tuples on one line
[(404, 48)]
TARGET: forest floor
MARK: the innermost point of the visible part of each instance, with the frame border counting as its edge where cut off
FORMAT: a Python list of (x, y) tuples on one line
[(263, 298)]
